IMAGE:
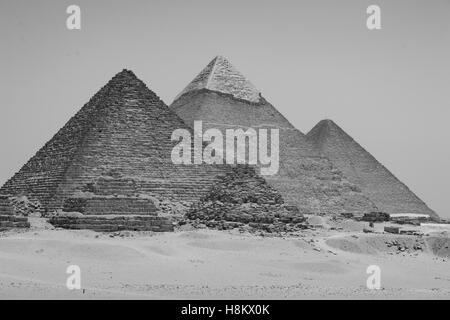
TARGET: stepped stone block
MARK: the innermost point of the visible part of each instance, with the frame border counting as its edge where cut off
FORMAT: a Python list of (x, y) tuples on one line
[(113, 223), (9, 216), (114, 206), (120, 143), (6, 207), (8, 222)]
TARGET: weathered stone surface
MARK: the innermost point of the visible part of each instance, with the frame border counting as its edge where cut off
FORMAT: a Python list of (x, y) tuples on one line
[(107, 205), (8, 222), (305, 179), (220, 76), (243, 197), (376, 217), (6, 207), (394, 230), (387, 192), (113, 223), (11, 215), (25, 207)]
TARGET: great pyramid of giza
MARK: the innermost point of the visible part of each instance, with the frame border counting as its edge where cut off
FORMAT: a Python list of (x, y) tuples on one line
[(223, 98), (113, 157), (387, 192)]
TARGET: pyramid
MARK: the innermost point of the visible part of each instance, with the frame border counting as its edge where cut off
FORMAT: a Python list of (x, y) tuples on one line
[(387, 192), (219, 75), (113, 157), (223, 98), (243, 197)]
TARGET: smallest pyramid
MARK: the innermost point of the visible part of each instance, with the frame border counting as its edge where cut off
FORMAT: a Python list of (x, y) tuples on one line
[(220, 76), (243, 197)]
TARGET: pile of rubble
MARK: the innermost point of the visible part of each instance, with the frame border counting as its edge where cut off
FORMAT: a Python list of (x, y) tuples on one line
[(25, 207), (404, 247), (242, 198), (9, 218)]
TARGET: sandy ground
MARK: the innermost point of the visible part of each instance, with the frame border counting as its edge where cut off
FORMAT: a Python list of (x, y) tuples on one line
[(324, 263)]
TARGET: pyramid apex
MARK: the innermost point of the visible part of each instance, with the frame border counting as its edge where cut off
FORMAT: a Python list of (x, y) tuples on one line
[(326, 123), (220, 57), (125, 72), (221, 76)]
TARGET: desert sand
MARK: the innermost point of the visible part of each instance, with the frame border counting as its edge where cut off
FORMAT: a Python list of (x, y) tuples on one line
[(327, 262)]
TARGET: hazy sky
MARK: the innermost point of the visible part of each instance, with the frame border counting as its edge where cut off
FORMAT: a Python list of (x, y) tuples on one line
[(389, 88)]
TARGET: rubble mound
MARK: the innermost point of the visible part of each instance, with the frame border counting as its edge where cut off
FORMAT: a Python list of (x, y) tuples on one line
[(25, 207), (9, 218), (241, 198)]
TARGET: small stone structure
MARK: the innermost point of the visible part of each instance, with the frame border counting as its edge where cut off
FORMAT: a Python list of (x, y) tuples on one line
[(395, 230), (111, 223), (109, 214), (376, 217), (101, 205), (242, 197)]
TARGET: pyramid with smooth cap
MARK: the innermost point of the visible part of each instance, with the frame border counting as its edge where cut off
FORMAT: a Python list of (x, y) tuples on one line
[(220, 76), (222, 98), (113, 158), (387, 192)]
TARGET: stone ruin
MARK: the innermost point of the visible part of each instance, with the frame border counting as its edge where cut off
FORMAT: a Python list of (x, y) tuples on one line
[(223, 98), (10, 214), (242, 198)]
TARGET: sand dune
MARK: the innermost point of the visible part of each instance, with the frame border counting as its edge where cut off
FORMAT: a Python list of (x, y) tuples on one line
[(210, 264)]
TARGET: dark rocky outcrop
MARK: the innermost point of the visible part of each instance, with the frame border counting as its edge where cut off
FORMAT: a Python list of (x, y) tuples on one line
[(10, 216), (243, 198), (110, 206), (376, 217)]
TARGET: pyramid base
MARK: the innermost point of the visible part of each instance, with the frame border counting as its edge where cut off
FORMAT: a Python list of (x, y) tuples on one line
[(8, 222), (113, 223)]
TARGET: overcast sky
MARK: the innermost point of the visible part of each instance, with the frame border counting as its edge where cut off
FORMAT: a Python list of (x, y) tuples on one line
[(389, 89)]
